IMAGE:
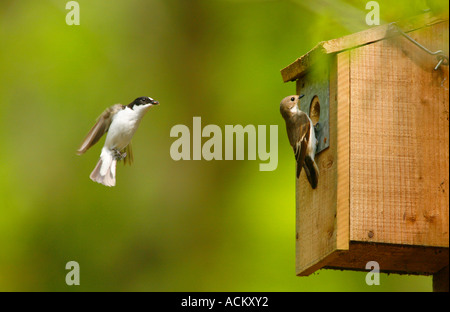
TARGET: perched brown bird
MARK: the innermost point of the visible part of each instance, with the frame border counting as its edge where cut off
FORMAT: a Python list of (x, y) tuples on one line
[(300, 131)]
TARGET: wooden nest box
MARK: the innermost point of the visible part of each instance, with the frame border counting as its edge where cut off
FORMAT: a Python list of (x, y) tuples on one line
[(382, 104)]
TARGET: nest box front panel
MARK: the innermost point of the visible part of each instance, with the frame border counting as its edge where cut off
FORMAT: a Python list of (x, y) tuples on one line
[(399, 132), (315, 86)]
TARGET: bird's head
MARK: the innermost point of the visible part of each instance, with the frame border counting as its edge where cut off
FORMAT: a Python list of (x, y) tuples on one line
[(142, 102), (289, 105)]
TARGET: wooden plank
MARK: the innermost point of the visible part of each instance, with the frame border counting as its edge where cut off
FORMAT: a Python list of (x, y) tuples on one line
[(343, 151), (440, 280), (318, 223), (316, 209), (403, 259), (299, 67), (374, 34), (381, 32), (399, 126)]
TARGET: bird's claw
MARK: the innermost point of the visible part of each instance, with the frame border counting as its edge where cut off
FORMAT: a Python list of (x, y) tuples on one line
[(118, 155)]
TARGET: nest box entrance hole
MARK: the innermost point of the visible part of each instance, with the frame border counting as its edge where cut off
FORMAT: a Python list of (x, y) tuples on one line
[(314, 110)]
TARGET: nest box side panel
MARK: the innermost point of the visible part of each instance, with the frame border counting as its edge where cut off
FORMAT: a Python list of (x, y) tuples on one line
[(321, 224), (399, 129)]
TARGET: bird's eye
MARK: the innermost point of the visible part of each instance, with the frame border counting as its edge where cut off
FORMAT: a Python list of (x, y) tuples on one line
[(292, 99)]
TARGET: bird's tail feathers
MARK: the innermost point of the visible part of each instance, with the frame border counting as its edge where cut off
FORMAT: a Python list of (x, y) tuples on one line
[(312, 171), (299, 170), (105, 170)]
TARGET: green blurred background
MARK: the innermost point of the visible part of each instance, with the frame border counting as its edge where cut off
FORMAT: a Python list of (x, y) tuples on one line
[(166, 226)]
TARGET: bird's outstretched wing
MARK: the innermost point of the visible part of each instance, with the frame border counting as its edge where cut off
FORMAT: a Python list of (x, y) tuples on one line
[(302, 141), (99, 129)]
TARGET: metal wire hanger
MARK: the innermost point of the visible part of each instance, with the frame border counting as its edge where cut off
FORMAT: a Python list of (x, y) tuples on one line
[(440, 55)]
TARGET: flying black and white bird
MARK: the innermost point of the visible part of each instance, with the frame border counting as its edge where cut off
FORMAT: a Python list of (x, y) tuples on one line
[(300, 131), (120, 122)]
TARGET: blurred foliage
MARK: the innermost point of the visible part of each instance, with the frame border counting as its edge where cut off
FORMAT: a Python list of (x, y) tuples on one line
[(166, 226)]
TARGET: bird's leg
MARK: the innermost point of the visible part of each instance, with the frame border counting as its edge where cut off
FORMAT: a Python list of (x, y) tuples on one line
[(118, 155)]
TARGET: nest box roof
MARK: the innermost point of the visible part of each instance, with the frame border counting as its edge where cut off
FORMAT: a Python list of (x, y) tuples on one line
[(296, 69)]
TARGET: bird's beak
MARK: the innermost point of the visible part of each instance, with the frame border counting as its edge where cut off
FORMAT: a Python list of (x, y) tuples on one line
[(155, 102), (300, 96)]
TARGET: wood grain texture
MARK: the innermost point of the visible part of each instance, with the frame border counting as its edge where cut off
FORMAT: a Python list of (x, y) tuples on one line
[(297, 68), (322, 217), (440, 280), (399, 126), (343, 151), (403, 259), (316, 209), (383, 191)]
